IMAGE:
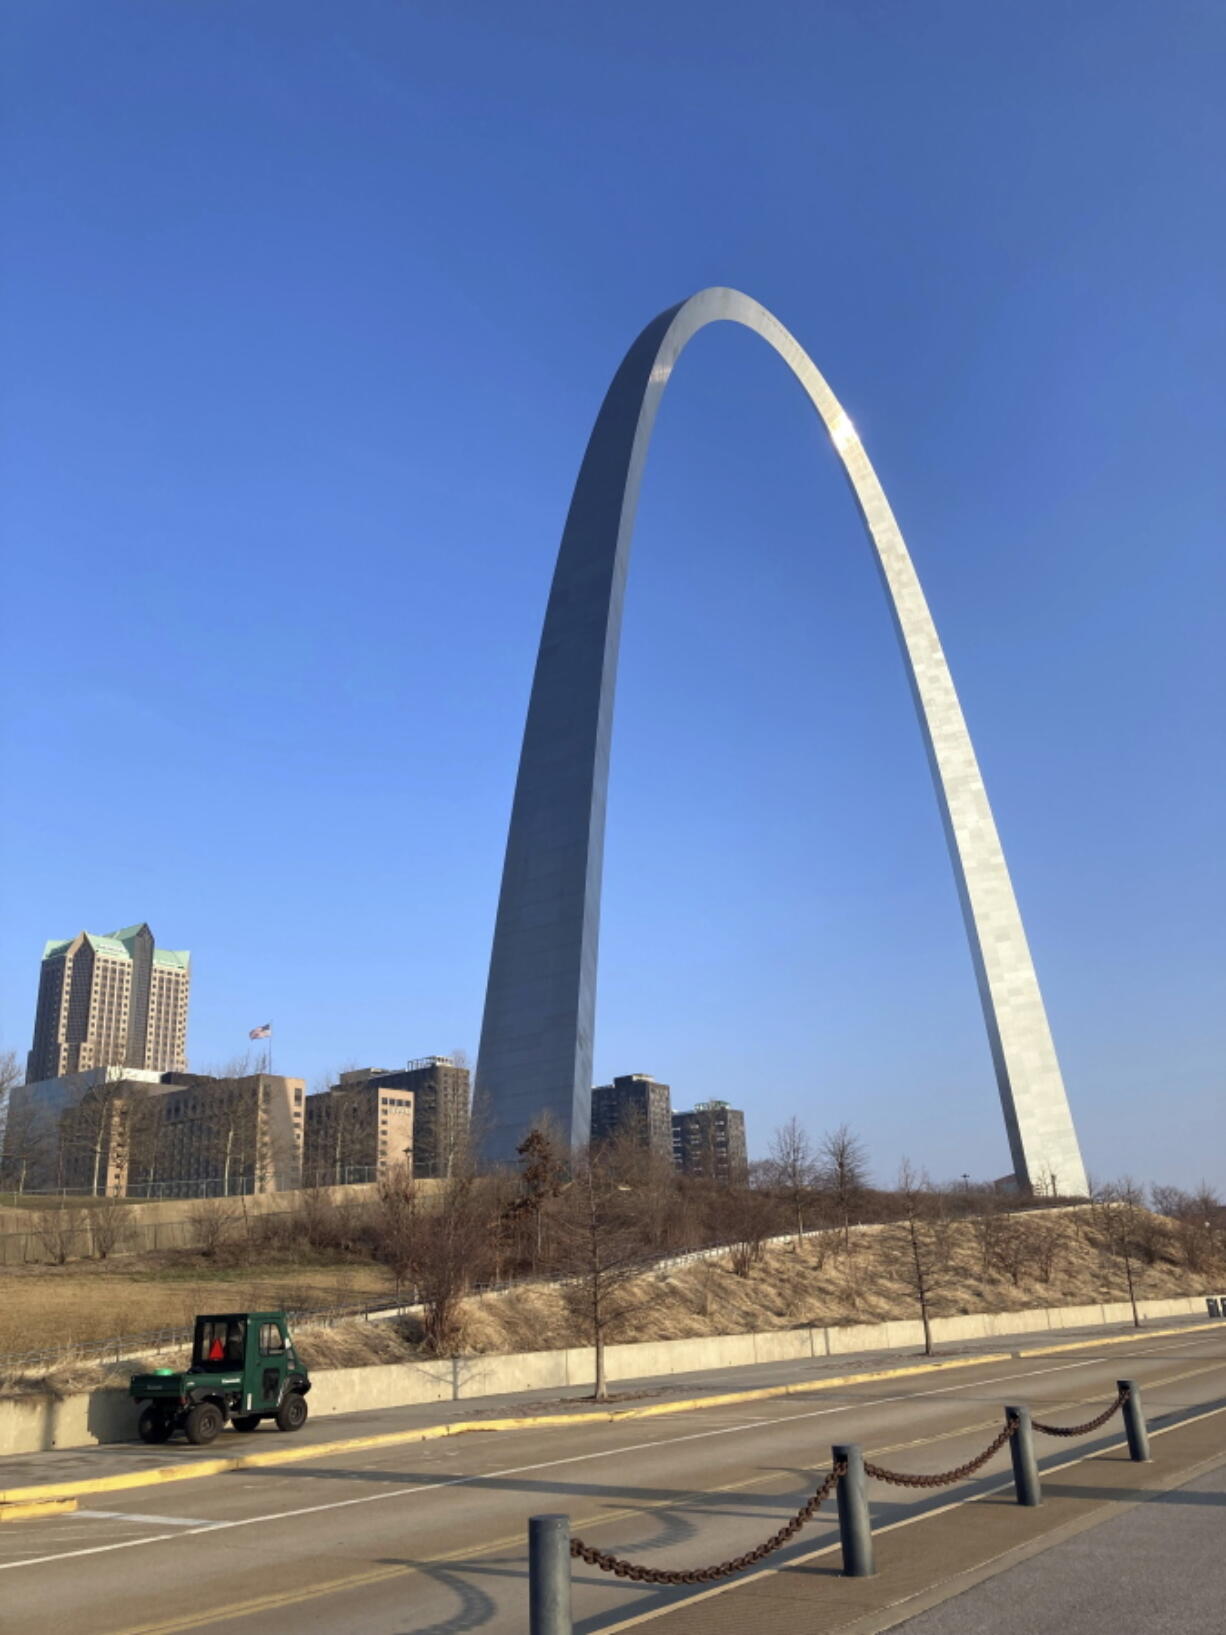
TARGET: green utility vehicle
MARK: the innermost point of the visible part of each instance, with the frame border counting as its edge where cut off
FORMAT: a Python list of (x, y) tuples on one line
[(243, 1369)]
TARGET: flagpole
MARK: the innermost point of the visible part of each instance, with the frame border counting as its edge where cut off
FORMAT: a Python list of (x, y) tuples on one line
[(269, 1056)]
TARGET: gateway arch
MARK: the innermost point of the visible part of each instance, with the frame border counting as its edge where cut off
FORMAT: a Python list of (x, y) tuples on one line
[(537, 1032)]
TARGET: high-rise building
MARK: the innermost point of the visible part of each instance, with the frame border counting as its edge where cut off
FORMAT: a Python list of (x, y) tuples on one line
[(440, 1090), (710, 1142), (113, 1001), (636, 1107), (357, 1132)]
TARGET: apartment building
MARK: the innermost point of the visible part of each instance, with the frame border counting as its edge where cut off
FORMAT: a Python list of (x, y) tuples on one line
[(634, 1107), (709, 1142), (110, 1001)]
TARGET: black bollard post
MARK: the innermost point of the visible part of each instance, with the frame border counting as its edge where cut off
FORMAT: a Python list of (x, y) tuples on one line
[(855, 1527), (1134, 1422), (549, 1575), (1021, 1448)]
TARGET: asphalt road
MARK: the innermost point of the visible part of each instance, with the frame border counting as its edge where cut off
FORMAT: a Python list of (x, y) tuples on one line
[(428, 1539)]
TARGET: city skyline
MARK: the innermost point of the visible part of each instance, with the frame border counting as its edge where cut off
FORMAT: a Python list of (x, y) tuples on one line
[(289, 468)]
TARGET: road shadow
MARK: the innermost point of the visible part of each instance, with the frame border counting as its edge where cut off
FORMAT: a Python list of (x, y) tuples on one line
[(1135, 1495)]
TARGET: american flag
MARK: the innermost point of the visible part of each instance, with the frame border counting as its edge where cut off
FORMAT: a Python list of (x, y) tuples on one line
[(261, 1033)]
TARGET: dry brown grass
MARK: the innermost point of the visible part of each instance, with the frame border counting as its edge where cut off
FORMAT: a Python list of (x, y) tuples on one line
[(818, 1285), (353, 1343), (48, 1306), (788, 1288)]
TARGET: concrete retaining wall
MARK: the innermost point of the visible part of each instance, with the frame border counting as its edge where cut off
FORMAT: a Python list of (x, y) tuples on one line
[(33, 1424)]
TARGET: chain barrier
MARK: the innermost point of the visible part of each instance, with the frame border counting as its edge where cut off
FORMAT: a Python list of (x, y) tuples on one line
[(1090, 1424), (724, 1569), (621, 1568), (902, 1478)]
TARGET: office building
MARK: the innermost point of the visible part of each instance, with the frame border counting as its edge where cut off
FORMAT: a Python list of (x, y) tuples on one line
[(128, 1132), (709, 1142), (440, 1090), (358, 1131), (110, 1001), (636, 1107)]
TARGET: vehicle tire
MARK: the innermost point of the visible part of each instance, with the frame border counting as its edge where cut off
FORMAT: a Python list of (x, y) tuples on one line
[(245, 1422), (292, 1414), (155, 1424), (203, 1423)]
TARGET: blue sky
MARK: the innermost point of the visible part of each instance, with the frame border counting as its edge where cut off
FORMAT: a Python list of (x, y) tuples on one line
[(306, 314)]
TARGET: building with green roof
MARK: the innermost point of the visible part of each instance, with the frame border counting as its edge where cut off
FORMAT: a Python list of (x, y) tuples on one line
[(113, 1000)]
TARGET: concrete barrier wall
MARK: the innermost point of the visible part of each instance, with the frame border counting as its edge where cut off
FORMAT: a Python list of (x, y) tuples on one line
[(34, 1424)]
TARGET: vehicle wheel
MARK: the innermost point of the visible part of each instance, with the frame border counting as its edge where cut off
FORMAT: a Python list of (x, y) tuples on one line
[(155, 1424), (245, 1422), (292, 1414), (203, 1423)]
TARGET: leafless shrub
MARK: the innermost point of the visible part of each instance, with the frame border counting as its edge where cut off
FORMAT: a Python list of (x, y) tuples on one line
[(748, 1224), (212, 1224), (61, 1233), (108, 1226)]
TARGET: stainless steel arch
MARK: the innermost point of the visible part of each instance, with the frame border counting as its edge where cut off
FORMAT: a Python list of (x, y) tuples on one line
[(537, 1032)]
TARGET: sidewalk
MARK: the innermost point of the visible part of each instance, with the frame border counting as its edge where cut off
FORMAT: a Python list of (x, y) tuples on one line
[(989, 1567), (132, 1464)]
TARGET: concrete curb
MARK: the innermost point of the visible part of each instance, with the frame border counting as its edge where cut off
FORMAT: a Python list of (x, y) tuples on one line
[(1118, 1339), (199, 1468), (35, 1509)]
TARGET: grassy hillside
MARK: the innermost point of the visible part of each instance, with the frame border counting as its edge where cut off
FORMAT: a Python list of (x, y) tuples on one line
[(1062, 1259)]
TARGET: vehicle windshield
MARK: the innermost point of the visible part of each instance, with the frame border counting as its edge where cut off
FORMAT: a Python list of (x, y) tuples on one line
[(219, 1343)]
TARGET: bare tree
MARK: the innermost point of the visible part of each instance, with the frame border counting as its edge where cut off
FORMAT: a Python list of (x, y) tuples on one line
[(396, 1227), (920, 1250), (598, 1247), (844, 1174), (93, 1139), (24, 1134), (542, 1169), (746, 1215), (61, 1232), (108, 1226), (792, 1170), (450, 1252), (1014, 1250), (1119, 1209), (1199, 1224), (212, 1223), (988, 1226)]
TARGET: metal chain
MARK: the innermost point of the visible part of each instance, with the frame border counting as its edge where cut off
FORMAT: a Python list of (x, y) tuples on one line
[(902, 1478), (622, 1568), (724, 1569), (1090, 1424)]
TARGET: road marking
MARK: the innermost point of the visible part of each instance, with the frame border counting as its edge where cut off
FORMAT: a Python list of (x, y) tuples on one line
[(157, 1521), (381, 1574), (547, 1464), (890, 1527), (288, 1598)]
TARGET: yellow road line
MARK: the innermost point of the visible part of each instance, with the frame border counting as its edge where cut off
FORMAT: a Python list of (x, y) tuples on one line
[(297, 1597), (35, 1509), (1120, 1339), (191, 1470)]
